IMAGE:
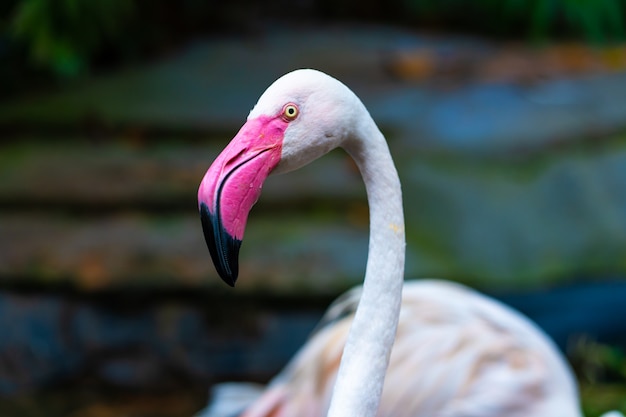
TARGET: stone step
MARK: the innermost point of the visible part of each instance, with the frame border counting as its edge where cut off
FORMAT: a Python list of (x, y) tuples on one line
[(116, 175), (286, 255), (489, 222)]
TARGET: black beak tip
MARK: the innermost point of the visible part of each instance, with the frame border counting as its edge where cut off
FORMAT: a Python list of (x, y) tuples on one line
[(223, 247)]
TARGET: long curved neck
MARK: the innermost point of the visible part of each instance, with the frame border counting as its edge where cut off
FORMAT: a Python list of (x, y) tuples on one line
[(365, 358)]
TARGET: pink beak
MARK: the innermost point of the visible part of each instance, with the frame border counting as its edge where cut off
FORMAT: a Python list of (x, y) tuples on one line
[(232, 185)]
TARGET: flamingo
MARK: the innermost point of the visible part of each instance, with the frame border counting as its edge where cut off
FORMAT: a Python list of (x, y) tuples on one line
[(456, 352)]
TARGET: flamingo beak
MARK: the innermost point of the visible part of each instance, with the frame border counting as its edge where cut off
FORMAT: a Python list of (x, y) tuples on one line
[(223, 247), (232, 185)]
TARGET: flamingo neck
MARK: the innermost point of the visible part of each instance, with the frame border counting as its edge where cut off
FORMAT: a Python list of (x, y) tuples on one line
[(359, 383)]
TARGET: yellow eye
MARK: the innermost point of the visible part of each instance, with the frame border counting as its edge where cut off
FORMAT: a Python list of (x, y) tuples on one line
[(290, 112)]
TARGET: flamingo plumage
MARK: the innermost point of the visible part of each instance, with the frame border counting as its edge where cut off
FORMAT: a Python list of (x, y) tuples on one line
[(456, 352)]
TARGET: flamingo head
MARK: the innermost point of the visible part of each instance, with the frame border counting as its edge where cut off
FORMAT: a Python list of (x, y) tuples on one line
[(300, 117)]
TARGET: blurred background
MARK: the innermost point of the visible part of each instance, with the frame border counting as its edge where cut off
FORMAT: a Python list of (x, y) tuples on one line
[(506, 118)]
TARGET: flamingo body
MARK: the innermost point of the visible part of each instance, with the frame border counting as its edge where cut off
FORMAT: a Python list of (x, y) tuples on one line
[(457, 353)]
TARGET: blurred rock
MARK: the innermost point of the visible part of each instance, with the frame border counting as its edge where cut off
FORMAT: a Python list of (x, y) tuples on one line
[(136, 342)]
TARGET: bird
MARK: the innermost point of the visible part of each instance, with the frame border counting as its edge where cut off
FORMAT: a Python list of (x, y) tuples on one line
[(455, 352)]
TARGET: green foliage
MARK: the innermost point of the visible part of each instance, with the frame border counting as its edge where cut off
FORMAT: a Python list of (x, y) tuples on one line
[(596, 362), (62, 35), (601, 371), (594, 20)]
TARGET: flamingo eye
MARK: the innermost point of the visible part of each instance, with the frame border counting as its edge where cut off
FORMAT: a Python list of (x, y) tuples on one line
[(290, 112)]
